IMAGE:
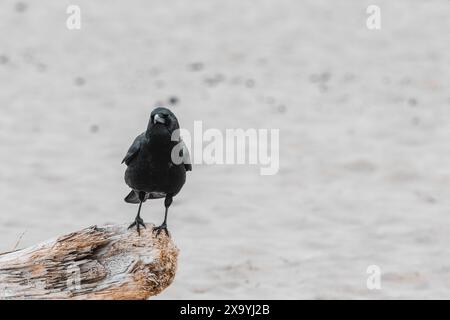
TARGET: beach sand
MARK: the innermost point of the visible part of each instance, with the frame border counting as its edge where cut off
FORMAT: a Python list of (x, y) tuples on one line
[(363, 114)]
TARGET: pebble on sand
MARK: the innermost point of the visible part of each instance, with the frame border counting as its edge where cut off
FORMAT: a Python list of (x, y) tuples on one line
[(281, 108), (173, 100), (79, 81), (250, 83), (94, 128), (196, 66), (215, 80), (4, 59), (21, 6), (412, 102)]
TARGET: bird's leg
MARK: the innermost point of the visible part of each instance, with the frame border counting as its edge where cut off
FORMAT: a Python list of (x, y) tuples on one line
[(163, 226), (138, 221)]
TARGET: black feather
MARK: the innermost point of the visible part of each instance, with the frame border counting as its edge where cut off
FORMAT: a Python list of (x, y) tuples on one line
[(134, 149)]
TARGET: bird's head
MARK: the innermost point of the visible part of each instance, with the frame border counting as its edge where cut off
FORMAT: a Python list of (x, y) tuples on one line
[(162, 121)]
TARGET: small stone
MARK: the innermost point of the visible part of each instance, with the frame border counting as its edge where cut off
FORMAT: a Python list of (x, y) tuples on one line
[(281, 108), (94, 128), (154, 71), (412, 102), (196, 66), (250, 83), (21, 6), (173, 100), (215, 80), (325, 76), (79, 81), (4, 59)]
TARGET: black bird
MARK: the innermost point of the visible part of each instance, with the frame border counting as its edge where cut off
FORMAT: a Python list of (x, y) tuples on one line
[(157, 163)]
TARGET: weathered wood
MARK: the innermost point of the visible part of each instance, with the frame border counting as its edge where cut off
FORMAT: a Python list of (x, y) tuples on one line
[(107, 262)]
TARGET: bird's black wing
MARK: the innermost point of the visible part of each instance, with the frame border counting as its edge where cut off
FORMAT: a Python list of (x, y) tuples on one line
[(186, 157), (134, 149)]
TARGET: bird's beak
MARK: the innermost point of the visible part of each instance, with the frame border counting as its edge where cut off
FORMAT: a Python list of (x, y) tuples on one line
[(158, 118)]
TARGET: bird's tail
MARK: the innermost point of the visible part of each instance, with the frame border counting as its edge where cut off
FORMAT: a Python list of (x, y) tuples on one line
[(132, 197)]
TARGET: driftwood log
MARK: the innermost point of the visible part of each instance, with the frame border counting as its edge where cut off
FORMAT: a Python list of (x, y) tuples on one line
[(107, 262)]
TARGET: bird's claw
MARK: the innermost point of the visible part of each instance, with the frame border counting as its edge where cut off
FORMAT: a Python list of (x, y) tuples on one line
[(157, 230), (138, 222)]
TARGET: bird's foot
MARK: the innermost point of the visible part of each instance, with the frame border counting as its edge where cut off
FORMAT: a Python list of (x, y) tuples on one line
[(157, 230), (138, 222)]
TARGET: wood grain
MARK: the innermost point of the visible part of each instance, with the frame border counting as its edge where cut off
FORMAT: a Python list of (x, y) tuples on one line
[(108, 262)]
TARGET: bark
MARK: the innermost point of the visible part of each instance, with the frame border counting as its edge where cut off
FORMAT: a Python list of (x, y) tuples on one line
[(107, 262)]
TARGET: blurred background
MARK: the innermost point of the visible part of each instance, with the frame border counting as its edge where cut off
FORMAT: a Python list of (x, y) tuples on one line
[(363, 115)]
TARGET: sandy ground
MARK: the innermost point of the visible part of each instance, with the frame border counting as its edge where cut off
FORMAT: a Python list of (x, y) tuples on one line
[(364, 137)]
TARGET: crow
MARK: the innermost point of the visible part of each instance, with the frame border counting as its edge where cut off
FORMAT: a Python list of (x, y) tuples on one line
[(157, 162)]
